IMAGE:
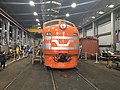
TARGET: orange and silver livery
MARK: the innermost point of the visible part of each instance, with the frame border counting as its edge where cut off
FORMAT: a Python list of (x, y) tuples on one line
[(60, 44)]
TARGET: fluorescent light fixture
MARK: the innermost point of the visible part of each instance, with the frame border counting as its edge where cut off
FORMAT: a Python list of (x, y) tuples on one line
[(93, 17), (38, 23), (100, 12), (37, 20), (32, 3), (54, 2), (73, 5), (53, 10), (67, 15), (35, 14), (111, 6), (48, 9), (47, 2)]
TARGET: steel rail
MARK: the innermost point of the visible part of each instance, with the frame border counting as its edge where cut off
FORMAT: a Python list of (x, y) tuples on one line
[(86, 80), (53, 80)]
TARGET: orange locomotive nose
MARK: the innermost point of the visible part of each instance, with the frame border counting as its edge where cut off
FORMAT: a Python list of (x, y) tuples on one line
[(60, 44)]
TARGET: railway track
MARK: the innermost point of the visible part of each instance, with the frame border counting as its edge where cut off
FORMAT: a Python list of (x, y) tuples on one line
[(55, 87), (53, 80), (13, 80), (87, 81)]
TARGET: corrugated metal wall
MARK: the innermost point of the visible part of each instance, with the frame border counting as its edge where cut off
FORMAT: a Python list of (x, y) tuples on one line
[(119, 36), (104, 28), (105, 40), (89, 32)]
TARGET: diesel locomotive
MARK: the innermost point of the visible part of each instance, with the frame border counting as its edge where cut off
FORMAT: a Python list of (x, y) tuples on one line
[(60, 44)]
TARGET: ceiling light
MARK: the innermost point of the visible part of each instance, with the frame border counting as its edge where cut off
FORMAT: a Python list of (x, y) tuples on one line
[(37, 20), (39, 27), (73, 5), (38, 23), (56, 2), (111, 6), (101, 12), (35, 14), (93, 17), (48, 15), (67, 15), (48, 9), (32, 3)]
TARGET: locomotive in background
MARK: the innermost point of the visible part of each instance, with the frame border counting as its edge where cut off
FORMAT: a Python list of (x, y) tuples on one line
[(60, 44)]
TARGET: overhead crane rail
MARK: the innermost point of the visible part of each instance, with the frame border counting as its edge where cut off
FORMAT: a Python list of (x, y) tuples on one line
[(34, 30)]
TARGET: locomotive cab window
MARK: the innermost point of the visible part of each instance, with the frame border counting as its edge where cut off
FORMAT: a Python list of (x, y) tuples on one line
[(75, 34), (52, 23)]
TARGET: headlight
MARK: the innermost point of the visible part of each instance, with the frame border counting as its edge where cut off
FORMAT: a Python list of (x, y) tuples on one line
[(63, 26), (48, 34)]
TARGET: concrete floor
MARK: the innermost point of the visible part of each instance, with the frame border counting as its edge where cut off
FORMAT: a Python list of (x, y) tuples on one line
[(99, 75), (37, 77)]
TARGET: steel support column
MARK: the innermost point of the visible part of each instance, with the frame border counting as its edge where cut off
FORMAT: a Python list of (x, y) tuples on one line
[(113, 31), (93, 28), (84, 32), (17, 36), (8, 31)]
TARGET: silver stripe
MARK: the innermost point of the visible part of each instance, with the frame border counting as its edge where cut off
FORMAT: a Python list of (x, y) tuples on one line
[(47, 37), (62, 45), (76, 38), (62, 48), (46, 46), (60, 37)]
